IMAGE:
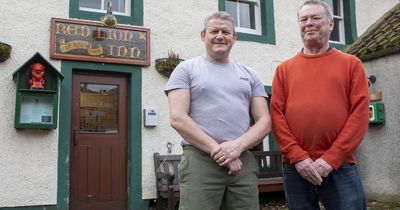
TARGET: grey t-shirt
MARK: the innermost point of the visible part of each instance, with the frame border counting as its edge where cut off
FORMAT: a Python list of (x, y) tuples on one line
[(220, 95)]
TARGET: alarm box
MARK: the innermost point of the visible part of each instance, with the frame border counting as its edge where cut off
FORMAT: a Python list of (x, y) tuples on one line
[(376, 112)]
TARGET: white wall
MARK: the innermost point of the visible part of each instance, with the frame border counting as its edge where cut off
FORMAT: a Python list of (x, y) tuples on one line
[(176, 25), (28, 158), (378, 155), (179, 29), (367, 12)]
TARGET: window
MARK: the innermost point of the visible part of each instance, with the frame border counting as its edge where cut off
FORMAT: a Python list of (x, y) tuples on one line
[(246, 14), (254, 19), (119, 7), (337, 35), (126, 11), (344, 31)]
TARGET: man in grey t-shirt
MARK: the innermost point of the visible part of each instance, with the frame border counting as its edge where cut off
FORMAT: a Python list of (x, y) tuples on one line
[(212, 102)]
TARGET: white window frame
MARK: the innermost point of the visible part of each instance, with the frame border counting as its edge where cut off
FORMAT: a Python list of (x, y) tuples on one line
[(104, 5), (340, 18), (257, 16)]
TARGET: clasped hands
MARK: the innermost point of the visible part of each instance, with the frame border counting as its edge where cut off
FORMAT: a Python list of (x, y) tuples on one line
[(227, 154), (313, 171)]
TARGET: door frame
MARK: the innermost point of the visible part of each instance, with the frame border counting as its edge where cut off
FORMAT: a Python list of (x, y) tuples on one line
[(134, 106)]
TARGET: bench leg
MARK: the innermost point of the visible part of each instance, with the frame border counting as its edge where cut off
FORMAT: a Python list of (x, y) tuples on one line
[(161, 205), (170, 200)]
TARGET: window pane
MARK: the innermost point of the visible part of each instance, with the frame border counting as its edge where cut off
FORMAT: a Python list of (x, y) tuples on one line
[(336, 8), (244, 15), (36, 109), (335, 5), (98, 108), (93, 4), (247, 16), (335, 35), (116, 5), (230, 7), (101, 5)]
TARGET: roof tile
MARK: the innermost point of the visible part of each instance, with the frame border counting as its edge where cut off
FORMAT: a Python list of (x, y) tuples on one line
[(381, 39)]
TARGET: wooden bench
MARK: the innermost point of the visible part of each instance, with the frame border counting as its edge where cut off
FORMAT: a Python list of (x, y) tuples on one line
[(167, 176), (269, 171), (167, 180)]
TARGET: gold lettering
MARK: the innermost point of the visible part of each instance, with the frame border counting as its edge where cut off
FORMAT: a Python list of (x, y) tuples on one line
[(109, 33), (84, 31), (119, 35), (73, 45), (116, 35), (128, 36), (96, 51), (134, 52), (142, 35), (99, 34), (111, 51), (60, 28), (123, 50), (118, 51), (72, 30)]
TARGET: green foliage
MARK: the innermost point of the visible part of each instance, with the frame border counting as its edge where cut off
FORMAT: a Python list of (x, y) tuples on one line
[(165, 66), (5, 51)]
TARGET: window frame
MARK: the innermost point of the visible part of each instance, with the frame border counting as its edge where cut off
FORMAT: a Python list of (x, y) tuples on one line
[(267, 35), (340, 19), (135, 17), (349, 25), (257, 17), (273, 146), (103, 4)]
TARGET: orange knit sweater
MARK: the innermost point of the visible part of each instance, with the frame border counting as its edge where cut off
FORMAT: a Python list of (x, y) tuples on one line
[(319, 107)]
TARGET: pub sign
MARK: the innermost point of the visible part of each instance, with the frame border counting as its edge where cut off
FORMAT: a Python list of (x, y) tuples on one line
[(91, 41)]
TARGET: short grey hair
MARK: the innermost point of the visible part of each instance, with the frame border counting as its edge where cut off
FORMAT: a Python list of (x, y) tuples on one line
[(328, 9), (220, 15)]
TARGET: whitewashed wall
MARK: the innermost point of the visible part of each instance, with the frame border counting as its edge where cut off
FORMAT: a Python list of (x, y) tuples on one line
[(368, 12), (28, 158), (378, 154), (176, 25)]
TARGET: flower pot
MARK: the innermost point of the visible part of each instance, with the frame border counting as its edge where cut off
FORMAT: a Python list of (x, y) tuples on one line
[(5, 51), (165, 66)]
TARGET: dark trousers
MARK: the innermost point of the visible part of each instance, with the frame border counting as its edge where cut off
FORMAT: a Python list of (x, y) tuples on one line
[(341, 190)]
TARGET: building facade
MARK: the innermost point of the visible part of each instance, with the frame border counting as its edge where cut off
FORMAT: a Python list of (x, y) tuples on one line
[(379, 49), (42, 168)]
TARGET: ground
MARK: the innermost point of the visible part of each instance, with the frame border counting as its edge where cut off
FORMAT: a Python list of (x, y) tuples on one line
[(275, 201)]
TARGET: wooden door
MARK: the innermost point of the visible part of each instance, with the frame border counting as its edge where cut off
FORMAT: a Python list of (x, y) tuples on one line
[(99, 142)]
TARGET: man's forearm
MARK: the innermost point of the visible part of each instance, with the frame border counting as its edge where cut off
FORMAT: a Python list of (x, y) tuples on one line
[(193, 134)]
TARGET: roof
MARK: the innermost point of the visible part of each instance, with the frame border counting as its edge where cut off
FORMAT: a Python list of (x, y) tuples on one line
[(381, 39), (38, 57)]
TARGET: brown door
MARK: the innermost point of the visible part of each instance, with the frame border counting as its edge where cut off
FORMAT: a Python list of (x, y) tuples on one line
[(99, 143)]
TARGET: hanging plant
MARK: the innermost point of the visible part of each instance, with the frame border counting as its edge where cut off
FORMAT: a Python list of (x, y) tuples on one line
[(165, 66), (5, 51)]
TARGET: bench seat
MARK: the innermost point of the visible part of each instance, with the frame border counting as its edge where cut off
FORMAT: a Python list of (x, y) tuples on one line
[(167, 176)]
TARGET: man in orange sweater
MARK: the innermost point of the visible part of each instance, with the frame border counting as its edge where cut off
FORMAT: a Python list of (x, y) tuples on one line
[(320, 115)]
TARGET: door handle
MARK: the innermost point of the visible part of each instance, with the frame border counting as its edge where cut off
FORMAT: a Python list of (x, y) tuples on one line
[(75, 136)]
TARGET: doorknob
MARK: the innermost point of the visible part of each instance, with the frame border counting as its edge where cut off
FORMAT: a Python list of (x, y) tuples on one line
[(75, 136)]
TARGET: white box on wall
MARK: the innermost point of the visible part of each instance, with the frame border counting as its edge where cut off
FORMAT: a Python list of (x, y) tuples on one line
[(150, 116)]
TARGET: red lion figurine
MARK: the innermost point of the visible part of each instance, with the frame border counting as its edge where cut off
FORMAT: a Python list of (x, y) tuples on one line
[(37, 73)]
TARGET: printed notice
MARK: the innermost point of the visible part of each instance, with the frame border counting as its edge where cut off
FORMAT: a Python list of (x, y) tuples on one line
[(36, 109)]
